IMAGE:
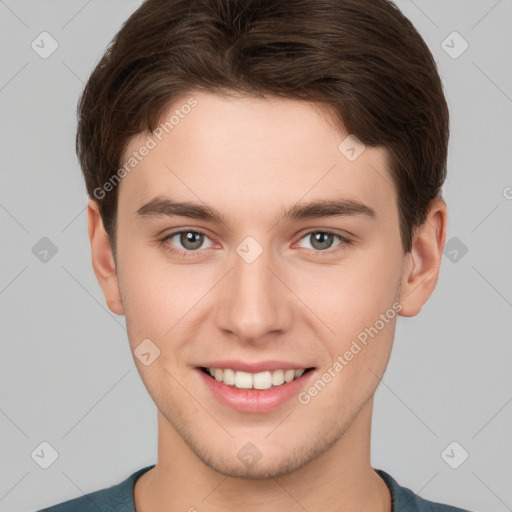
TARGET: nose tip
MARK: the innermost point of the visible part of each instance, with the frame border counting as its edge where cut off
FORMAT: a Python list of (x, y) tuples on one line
[(252, 304)]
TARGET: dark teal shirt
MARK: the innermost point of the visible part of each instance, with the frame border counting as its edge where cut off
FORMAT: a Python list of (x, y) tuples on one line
[(119, 498)]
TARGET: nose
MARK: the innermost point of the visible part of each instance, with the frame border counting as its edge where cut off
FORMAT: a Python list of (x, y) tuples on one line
[(254, 303)]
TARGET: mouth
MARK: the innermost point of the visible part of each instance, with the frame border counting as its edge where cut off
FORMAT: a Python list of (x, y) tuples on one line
[(257, 392), (261, 380)]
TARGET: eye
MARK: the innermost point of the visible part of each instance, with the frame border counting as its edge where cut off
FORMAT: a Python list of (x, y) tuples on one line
[(189, 240), (323, 240)]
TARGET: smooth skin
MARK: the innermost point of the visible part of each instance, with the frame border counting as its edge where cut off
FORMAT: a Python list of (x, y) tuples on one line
[(250, 159)]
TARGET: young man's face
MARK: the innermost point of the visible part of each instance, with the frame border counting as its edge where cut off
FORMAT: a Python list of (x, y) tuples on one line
[(259, 288)]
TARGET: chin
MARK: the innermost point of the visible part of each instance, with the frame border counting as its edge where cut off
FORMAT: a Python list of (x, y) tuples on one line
[(261, 470)]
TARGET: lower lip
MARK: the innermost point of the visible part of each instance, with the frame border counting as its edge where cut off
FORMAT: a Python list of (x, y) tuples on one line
[(255, 400)]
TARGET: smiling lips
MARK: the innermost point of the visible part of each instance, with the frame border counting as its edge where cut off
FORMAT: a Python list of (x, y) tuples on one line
[(261, 380), (254, 387)]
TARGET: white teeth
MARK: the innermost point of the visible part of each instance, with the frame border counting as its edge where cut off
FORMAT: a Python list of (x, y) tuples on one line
[(277, 377), (228, 377), (261, 380), (243, 380), (289, 375)]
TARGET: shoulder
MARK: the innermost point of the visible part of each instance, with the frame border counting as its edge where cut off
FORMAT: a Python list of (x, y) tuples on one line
[(404, 500), (117, 498)]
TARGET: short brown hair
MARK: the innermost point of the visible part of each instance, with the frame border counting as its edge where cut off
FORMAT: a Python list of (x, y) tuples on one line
[(362, 59)]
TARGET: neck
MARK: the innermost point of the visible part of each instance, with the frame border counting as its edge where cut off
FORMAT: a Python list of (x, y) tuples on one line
[(338, 479)]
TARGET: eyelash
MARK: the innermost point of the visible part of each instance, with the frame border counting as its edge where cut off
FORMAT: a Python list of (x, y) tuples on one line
[(194, 254)]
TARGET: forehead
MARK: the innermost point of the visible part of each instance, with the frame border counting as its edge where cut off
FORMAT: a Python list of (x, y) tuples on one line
[(249, 154)]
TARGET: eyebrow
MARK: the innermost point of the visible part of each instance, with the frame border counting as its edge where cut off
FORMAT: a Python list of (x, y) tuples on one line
[(167, 207)]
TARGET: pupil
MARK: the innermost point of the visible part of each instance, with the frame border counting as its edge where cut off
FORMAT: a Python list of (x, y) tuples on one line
[(187, 239), (324, 239)]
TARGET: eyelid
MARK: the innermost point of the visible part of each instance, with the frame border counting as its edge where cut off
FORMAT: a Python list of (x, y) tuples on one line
[(163, 241), (188, 253), (344, 240)]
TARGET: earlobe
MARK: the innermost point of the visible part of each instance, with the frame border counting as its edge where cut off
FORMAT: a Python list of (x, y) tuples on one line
[(422, 263), (103, 259)]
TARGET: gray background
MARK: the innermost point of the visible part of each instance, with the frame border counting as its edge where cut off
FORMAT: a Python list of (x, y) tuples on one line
[(67, 375)]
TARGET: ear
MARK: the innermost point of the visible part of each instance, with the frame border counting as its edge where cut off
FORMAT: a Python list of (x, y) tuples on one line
[(103, 259), (421, 268)]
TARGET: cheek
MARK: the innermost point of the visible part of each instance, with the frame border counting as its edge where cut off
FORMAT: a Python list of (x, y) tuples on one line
[(162, 302), (150, 295), (352, 295), (155, 301)]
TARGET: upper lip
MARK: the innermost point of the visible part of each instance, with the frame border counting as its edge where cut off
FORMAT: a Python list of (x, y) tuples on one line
[(255, 367)]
